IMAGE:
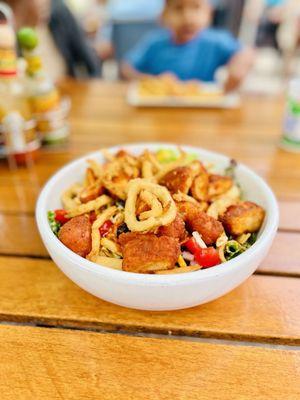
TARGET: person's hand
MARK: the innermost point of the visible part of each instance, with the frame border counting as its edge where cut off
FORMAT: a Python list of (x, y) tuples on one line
[(276, 14), (238, 68)]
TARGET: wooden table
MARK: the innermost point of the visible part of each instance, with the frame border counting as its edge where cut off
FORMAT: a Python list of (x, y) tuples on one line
[(58, 342)]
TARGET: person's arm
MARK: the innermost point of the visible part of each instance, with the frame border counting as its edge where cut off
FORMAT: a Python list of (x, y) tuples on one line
[(71, 40), (136, 63), (129, 73), (238, 68)]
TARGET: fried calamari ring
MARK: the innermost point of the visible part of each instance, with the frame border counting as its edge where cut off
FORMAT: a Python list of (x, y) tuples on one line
[(169, 211), (70, 198)]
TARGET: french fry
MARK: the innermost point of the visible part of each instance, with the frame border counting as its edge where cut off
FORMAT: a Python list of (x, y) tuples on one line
[(96, 240), (90, 206)]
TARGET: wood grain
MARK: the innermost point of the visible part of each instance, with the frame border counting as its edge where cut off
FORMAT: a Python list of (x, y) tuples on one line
[(263, 309), (100, 117), (289, 215), (19, 236), (284, 256), (58, 364)]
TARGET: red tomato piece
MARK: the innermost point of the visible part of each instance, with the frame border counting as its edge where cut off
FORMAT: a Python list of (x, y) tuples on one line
[(207, 258), (105, 228), (60, 216), (192, 246)]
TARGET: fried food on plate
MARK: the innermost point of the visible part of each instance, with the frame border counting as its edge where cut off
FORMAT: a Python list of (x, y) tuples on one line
[(178, 180), (219, 185), (197, 220), (156, 212), (76, 234), (147, 253), (246, 217), (176, 229)]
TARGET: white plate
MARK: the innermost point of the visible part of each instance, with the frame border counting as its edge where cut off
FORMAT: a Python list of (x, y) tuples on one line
[(227, 101)]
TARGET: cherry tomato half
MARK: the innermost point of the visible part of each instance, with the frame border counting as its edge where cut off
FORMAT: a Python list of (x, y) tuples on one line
[(207, 258), (191, 245), (60, 216), (105, 228)]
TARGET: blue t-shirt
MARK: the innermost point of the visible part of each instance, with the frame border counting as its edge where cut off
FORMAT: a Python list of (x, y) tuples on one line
[(198, 59)]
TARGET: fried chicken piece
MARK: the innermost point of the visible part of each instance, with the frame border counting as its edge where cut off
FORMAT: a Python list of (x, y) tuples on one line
[(178, 180), (91, 193), (147, 253), (242, 218), (76, 234), (176, 229), (124, 238), (218, 185), (118, 172), (197, 220), (200, 185)]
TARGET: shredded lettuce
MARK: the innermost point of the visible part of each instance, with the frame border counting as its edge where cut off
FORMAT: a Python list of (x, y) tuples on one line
[(165, 156), (54, 225), (233, 248), (230, 170)]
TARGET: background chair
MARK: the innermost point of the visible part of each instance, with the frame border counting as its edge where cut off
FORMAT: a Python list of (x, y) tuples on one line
[(127, 34)]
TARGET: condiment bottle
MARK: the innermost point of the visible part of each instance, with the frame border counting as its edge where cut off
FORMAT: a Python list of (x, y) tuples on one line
[(14, 106), (47, 106)]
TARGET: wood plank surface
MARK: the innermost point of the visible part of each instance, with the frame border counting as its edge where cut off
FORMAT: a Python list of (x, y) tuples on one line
[(19, 236), (282, 174), (284, 256), (67, 364), (58, 364), (100, 117), (265, 308), (289, 215)]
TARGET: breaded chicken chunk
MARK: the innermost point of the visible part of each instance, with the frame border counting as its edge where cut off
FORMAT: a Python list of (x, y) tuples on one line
[(196, 220), (118, 172), (76, 234), (178, 180), (147, 253), (200, 185), (218, 185), (242, 218), (176, 229), (124, 238), (90, 193)]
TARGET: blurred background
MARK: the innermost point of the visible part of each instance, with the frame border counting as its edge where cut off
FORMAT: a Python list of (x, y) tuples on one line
[(253, 46), (111, 28), (272, 27)]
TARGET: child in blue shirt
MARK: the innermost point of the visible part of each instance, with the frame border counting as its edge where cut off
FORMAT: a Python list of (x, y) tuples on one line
[(188, 49)]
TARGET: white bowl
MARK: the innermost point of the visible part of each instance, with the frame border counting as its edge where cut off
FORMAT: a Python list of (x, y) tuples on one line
[(158, 292)]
